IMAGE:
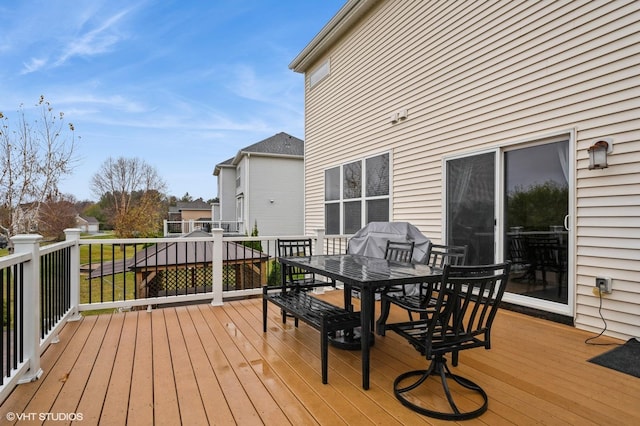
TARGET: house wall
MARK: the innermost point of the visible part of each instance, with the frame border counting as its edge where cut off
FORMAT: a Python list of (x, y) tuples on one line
[(195, 214), (475, 75), (227, 193), (275, 201)]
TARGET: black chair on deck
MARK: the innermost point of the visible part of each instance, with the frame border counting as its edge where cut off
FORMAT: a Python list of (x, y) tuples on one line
[(298, 247), (399, 251), (396, 251), (298, 279), (418, 298), (460, 318)]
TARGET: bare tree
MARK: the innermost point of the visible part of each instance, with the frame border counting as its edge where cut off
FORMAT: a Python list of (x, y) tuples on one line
[(56, 215), (35, 156), (129, 184)]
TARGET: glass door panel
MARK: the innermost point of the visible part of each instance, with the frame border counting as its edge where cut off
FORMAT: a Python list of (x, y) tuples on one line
[(470, 206), (536, 201)]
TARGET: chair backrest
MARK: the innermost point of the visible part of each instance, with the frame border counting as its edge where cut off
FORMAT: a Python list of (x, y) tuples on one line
[(465, 308), (399, 251), (544, 251), (441, 255), (296, 247)]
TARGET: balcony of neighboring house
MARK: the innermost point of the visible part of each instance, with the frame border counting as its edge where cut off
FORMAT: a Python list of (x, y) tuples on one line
[(162, 330), (183, 227), (198, 215)]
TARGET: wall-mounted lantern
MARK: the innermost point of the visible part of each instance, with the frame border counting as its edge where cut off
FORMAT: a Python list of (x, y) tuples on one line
[(598, 154)]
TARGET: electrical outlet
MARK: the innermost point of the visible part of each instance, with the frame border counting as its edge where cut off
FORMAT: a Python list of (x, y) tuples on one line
[(603, 284)]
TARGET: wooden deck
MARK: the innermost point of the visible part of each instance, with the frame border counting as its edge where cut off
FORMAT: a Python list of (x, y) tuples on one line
[(199, 365)]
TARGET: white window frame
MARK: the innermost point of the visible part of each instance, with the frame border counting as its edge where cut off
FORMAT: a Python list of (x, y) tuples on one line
[(321, 72), (363, 197)]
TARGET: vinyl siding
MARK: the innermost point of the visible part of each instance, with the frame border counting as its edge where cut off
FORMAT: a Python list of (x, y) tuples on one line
[(280, 180), (480, 75)]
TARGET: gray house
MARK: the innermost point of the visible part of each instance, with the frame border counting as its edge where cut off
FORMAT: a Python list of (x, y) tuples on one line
[(263, 186)]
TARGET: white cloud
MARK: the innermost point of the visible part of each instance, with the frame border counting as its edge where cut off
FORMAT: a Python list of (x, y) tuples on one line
[(33, 65), (96, 41)]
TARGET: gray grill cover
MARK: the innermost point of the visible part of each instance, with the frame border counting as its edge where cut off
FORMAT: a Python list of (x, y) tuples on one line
[(372, 239)]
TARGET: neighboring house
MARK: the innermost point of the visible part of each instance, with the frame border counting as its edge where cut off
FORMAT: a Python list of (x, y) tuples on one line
[(88, 224), (187, 216), (197, 210), (449, 114), (263, 186)]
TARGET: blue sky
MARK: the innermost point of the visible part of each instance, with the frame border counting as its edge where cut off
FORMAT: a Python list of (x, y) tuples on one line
[(181, 84)]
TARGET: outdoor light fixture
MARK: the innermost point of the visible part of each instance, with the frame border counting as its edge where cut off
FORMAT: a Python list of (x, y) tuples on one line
[(598, 154)]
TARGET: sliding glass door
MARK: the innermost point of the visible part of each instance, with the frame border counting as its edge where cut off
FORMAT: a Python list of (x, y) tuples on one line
[(536, 200), (513, 204)]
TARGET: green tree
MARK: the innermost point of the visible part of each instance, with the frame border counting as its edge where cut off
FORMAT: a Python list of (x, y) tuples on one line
[(257, 244), (538, 206)]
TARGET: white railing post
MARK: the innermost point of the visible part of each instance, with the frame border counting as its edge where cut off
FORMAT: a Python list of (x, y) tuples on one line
[(320, 235), (30, 306), (217, 265), (73, 234), (165, 227)]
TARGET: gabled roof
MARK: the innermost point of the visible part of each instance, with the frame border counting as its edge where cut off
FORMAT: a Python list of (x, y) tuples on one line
[(193, 205), (279, 145), (89, 219), (179, 251)]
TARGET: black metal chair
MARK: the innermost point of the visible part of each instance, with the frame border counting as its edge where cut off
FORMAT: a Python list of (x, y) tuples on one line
[(461, 317), (298, 247), (419, 297), (547, 255), (298, 279), (399, 251), (396, 251)]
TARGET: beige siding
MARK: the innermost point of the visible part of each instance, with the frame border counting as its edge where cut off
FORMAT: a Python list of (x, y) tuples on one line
[(477, 75)]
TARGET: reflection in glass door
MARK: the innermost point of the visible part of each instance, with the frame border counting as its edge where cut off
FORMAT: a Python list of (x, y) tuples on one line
[(470, 206), (536, 202)]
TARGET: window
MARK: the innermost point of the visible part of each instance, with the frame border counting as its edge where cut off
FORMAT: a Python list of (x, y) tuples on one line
[(355, 194), (238, 174), (318, 74)]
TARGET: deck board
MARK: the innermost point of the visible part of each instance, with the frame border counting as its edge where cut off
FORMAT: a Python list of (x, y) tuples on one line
[(200, 364), (92, 400), (116, 402)]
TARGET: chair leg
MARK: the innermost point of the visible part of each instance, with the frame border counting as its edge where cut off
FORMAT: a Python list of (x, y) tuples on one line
[(438, 368)]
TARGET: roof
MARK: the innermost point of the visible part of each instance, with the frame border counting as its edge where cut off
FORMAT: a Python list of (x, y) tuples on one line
[(193, 205), (177, 251), (89, 219), (342, 22), (280, 144)]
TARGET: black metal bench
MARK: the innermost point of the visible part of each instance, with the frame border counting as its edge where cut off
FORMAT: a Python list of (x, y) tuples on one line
[(296, 302)]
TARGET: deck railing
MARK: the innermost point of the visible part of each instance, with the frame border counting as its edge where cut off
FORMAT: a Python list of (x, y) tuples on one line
[(182, 227), (43, 287)]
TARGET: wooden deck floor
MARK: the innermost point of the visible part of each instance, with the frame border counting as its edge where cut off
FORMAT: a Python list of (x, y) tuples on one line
[(199, 365)]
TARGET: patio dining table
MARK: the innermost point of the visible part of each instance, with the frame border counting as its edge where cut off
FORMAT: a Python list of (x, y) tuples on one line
[(368, 275)]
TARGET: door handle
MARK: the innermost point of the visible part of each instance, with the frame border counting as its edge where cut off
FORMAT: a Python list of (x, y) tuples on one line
[(566, 222)]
